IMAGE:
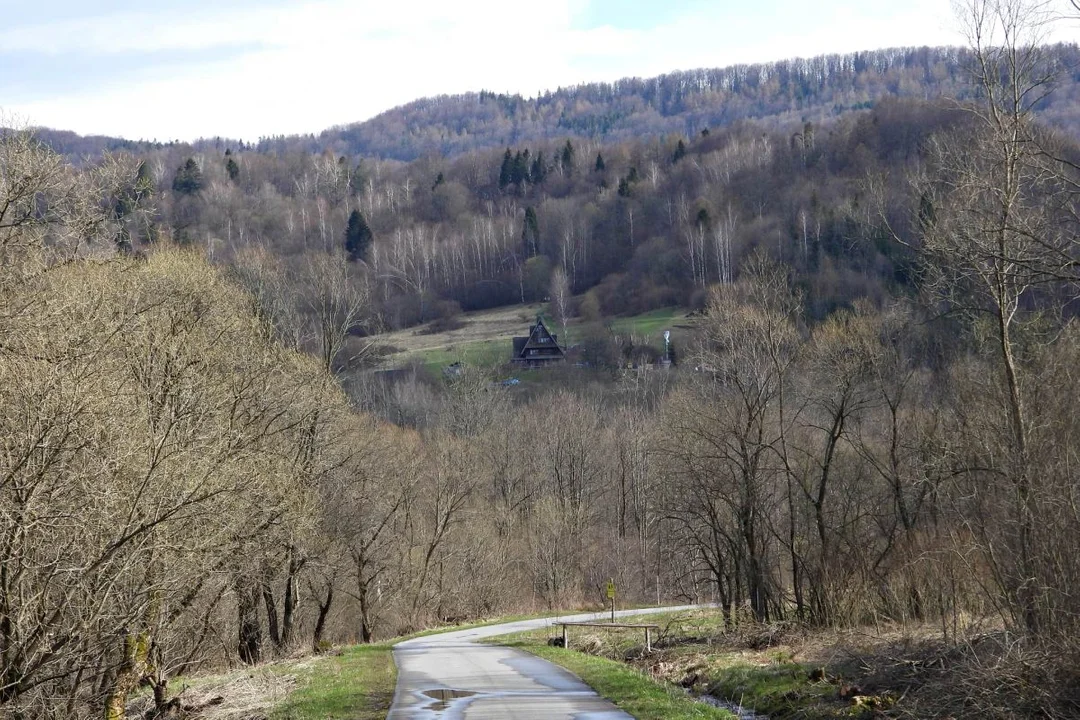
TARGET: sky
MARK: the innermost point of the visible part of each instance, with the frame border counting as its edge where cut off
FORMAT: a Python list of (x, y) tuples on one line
[(243, 69)]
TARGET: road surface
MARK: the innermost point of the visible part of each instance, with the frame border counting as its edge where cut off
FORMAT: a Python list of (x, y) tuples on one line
[(451, 677)]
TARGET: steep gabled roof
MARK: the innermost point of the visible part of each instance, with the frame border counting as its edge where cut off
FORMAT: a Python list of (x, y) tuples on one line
[(539, 345)]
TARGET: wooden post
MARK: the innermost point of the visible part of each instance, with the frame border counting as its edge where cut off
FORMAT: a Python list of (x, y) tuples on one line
[(648, 639), (565, 637)]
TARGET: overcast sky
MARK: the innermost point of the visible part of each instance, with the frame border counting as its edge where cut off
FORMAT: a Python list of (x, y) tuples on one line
[(182, 69)]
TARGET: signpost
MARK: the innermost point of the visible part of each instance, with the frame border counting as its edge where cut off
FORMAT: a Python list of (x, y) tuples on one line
[(610, 592)]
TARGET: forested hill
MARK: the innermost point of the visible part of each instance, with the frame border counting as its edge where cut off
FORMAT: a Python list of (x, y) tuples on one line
[(777, 94), (76, 147), (780, 93)]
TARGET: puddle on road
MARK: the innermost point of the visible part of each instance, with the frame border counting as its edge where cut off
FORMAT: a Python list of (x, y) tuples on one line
[(445, 696)]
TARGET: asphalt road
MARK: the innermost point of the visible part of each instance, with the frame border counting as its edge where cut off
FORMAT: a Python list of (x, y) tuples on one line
[(451, 677)]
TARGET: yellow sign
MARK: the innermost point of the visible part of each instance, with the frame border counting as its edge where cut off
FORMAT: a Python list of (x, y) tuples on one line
[(610, 590)]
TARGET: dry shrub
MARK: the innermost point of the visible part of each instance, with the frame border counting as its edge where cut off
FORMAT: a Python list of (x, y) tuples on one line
[(756, 636), (760, 636), (241, 696), (594, 645), (999, 676)]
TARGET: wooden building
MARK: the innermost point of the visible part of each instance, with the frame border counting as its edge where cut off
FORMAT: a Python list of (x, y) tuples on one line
[(539, 348)]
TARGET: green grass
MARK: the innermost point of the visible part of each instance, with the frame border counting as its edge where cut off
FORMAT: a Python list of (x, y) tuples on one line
[(781, 690), (485, 341), (359, 683), (356, 685), (482, 353), (650, 323), (629, 689), (768, 682)]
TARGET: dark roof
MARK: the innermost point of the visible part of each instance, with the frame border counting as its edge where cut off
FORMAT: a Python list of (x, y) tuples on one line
[(540, 345)]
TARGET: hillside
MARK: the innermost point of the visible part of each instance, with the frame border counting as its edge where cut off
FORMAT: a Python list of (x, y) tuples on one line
[(631, 226), (780, 94), (869, 432)]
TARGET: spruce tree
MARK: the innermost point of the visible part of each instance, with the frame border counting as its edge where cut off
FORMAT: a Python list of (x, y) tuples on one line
[(680, 152), (519, 171), (600, 166), (568, 158), (358, 236), (188, 179), (232, 168), (357, 178), (144, 181), (530, 233), (538, 173), (507, 169), (703, 219)]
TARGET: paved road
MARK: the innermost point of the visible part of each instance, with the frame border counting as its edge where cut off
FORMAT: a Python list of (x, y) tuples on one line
[(451, 677)]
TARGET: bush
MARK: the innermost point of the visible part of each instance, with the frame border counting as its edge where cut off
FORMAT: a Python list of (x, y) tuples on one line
[(589, 307), (447, 317)]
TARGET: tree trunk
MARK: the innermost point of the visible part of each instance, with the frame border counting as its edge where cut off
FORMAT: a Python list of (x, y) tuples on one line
[(271, 615), (249, 644), (288, 613), (365, 618), (133, 668), (324, 612)]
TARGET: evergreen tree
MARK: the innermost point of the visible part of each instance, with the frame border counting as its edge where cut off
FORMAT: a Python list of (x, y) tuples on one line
[(600, 166), (128, 200), (439, 180), (358, 178), (530, 233), (538, 173), (188, 179), (680, 152), (232, 168), (507, 170), (568, 158), (519, 171), (144, 182), (358, 236)]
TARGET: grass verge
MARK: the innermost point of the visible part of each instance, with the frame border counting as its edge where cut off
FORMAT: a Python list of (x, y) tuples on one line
[(629, 689), (650, 323), (358, 684), (692, 650)]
